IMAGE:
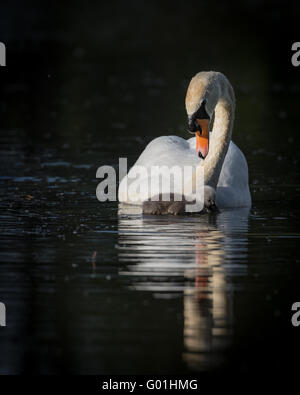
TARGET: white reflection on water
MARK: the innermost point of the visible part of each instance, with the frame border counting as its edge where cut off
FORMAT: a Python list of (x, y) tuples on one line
[(195, 257)]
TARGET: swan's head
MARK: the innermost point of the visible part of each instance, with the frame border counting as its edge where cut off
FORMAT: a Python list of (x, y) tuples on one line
[(201, 99)]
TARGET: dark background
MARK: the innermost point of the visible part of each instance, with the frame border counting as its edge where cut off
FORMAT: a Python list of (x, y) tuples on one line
[(110, 50), (88, 82)]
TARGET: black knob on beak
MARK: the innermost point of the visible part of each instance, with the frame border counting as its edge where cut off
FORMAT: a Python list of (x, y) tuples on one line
[(193, 125)]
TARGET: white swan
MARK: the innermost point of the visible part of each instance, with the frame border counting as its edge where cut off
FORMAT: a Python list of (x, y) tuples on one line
[(225, 167)]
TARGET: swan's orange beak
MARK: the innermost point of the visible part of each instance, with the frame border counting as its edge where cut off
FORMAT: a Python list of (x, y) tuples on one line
[(202, 138)]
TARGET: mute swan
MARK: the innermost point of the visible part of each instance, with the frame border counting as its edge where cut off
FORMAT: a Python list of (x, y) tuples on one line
[(225, 167)]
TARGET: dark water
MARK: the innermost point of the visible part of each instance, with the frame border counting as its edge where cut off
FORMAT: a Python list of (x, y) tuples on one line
[(91, 288)]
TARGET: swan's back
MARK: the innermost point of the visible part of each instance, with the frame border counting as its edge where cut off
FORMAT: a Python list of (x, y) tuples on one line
[(168, 151)]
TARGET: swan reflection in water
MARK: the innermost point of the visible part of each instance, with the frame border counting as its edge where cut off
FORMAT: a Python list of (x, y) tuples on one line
[(195, 257)]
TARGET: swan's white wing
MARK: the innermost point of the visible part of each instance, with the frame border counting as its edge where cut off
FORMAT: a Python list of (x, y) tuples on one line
[(167, 151), (232, 189), (233, 186)]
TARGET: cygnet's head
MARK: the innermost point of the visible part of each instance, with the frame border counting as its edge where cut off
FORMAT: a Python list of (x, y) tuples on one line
[(209, 197)]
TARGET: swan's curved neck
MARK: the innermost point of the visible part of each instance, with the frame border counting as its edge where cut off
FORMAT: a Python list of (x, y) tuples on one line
[(220, 138), (214, 87)]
